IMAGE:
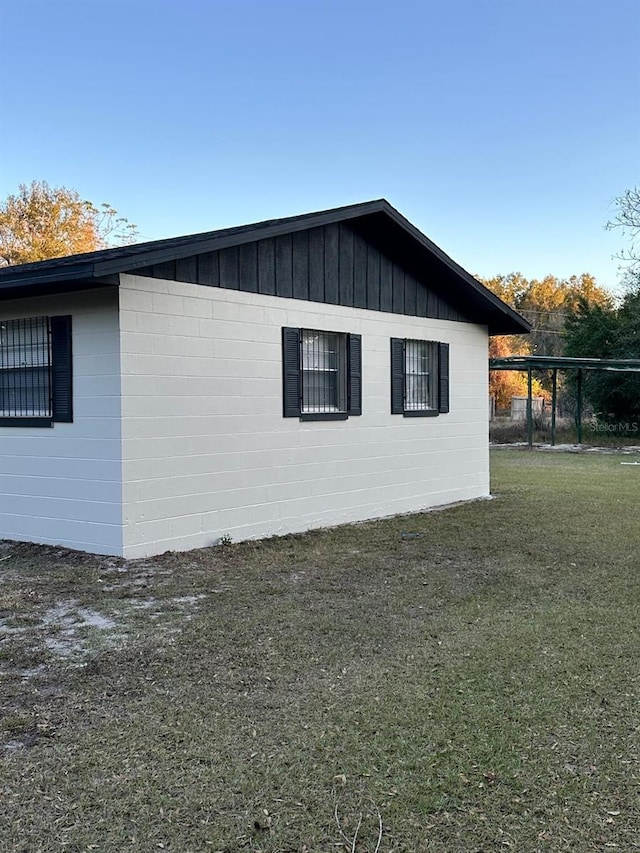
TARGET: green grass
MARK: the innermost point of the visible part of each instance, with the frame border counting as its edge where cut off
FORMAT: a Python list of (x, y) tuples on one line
[(474, 685)]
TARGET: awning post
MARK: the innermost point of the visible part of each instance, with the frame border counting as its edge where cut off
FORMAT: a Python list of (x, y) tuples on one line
[(579, 403), (529, 409), (554, 401)]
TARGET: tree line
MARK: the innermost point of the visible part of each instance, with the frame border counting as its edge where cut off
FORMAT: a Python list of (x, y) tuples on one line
[(576, 317)]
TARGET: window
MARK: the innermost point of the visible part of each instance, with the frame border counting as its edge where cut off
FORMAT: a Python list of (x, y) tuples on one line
[(419, 378), (35, 371), (321, 374)]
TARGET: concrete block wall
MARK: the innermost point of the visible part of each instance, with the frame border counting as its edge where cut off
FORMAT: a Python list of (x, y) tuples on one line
[(206, 451), (63, 485)]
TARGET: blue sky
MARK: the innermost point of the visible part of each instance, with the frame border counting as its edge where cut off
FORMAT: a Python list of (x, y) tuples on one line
[(503, 129)]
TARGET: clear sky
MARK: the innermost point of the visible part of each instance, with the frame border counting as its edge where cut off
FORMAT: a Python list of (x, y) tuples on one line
[(503, 129)]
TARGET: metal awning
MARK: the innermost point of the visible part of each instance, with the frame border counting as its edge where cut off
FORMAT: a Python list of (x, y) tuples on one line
[(529, 363), (552, 362)]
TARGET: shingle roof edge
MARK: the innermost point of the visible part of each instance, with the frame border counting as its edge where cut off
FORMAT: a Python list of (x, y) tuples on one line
[(109, 263)]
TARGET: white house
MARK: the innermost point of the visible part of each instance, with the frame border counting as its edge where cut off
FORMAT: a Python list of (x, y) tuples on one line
[(260, 380)]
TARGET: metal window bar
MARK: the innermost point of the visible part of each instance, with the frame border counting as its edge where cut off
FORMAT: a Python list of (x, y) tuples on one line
[(419, 375), (25, 368), (323, 368)]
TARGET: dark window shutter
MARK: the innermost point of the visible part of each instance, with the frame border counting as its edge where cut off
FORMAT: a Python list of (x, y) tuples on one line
[(397, 376), (443, 378), (354, 343), (290, 372), (61, 369)]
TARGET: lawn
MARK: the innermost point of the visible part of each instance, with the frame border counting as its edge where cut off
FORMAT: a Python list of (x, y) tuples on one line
[(464, 680)]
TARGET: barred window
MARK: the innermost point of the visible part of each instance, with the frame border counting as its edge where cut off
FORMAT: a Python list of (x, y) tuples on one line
[(324, 377), (322, 374), (420, 368), (419, 377), (25, 368), (36, 372)]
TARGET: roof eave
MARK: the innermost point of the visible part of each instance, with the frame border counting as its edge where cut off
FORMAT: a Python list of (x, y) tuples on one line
[(55, 285), (507, 321), (257, 232), (71, 273), (499, 317), (507, 324)]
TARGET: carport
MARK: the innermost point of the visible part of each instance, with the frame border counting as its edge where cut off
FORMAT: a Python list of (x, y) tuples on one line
[(529, 363)]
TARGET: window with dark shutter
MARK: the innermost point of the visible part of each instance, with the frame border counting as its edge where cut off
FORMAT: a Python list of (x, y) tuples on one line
[(61, 370), (443, 378), (291, 372), (35, 371), (322, 374), (419, 377), (397, 376), (354, 350)]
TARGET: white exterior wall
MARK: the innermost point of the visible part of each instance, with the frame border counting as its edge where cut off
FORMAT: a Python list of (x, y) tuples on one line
[(63, 485), (207, 452)]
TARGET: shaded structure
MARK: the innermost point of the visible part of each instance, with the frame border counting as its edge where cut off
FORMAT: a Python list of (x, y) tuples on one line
[(529, 363)]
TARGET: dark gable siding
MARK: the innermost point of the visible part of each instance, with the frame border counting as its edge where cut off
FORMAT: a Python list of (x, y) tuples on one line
[(331, 264), (284, 266), (208, 270), (267, 267), (187, 269), (345, 266), (229, 269), (386, 284), (316, 264), (300, 265), (248, 267)]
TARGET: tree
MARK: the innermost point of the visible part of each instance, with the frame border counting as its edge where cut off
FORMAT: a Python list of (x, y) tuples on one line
[(596, 331), (627, 218), (505, 384), (607, 331), (41, 222), (545, 304)]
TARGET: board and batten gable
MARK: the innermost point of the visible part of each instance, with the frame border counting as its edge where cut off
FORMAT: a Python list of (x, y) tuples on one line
[(330, 264), (207, 452), (63, 485)]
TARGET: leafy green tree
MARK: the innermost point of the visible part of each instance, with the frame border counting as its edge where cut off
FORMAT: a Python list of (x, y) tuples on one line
[(597, 331), (41, 222)]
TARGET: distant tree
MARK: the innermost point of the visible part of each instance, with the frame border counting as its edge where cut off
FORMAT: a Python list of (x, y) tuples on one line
[(510, 288), (505, 384), (41, 222), (609, 331), (627, 218), (545, 304), (597, 331)]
